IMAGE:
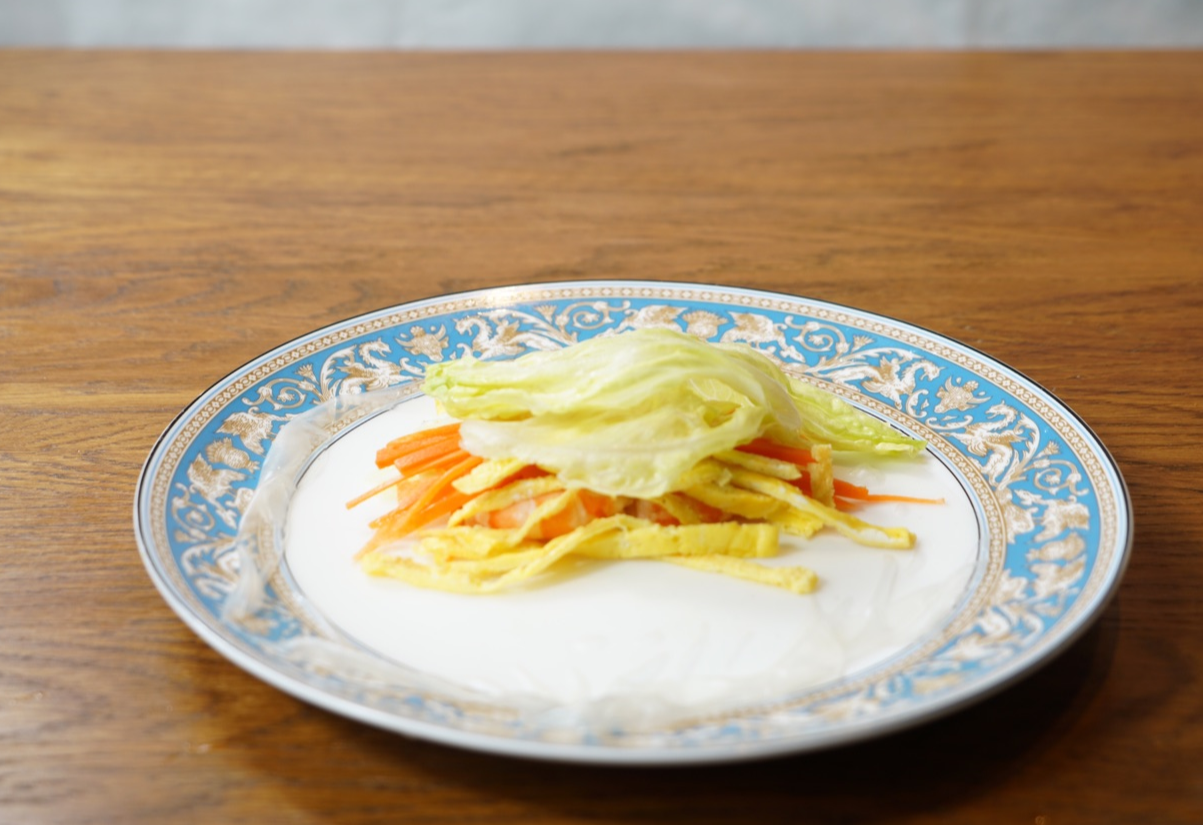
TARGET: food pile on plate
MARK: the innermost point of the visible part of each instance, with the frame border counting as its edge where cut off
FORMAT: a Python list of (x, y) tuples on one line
[(648, 445)]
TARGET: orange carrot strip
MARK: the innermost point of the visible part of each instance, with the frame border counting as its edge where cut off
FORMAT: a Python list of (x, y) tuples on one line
[(423, 435), (437, 462), (405, 498), (904, 499), (803, 484), (440, 484), (424, 454), (846, 490), (851, 491), (385, 456), (379, 488), (771, 449), (445, 505), (407, 444), (392, 525)]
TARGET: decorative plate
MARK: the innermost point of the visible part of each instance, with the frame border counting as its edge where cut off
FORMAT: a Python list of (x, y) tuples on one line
[(639, 664)]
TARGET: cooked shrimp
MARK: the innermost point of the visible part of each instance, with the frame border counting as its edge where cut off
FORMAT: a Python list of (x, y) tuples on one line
[(584, 508), (653, 512)]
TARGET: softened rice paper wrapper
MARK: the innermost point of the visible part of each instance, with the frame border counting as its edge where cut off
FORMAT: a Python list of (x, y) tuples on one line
[(630, 645)]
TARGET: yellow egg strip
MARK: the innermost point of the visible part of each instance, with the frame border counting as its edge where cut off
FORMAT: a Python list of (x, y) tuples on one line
[(894, 538), (489, 474), (679, 507), (461, 579), (800, 580), (451, 543), (795, 522), (505, 496), (617, 537), (822, 475), (706, 471), (734, 500), (760, 464), (655, 541)]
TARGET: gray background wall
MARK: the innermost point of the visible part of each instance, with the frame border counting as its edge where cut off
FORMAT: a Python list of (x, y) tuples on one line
[(500, 24)]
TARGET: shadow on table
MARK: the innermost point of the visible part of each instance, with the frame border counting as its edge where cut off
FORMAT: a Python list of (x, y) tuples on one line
[(927, 768)]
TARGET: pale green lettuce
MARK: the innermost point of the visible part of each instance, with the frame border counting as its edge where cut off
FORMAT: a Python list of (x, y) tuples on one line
[(630, 414)]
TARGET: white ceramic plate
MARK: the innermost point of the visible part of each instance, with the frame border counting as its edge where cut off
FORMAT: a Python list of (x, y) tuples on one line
[(638, 662)]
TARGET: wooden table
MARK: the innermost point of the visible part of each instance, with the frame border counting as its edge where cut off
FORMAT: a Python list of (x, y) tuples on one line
[(166, 217)]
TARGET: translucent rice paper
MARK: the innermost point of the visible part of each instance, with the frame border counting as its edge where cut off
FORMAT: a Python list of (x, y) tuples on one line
[(633, 645)]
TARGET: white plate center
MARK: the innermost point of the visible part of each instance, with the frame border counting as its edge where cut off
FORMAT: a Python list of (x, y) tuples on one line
[(640, 642)]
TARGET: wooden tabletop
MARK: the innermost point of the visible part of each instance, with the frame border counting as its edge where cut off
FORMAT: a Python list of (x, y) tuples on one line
[(166, 217)]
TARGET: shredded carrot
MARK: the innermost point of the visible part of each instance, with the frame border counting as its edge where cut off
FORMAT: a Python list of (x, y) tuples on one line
[(845, 490), (409, 443), (425, 451), (430, 462), (417, 486), (437, 462), (379, 488), (851, 491), (423, 502), (405, 498), (903, 499), (423, 435), (441, 507), (771, 449), (803, 484), (440, 485)]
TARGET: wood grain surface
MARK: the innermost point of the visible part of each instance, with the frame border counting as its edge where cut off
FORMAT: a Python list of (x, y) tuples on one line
[(166, 217)]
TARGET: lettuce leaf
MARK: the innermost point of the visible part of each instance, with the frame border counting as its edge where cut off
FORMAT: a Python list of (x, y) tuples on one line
[(631, 414)]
